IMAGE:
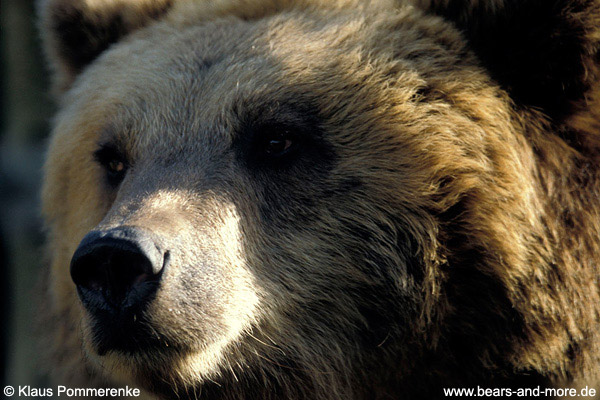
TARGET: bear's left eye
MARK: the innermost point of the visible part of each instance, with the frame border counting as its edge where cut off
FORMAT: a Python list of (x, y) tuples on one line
[(113, 162), (277, 144), (270, 143), (272, 146)]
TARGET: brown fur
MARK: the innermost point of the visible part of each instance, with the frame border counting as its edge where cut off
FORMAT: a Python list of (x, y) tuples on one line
[(440, 228)]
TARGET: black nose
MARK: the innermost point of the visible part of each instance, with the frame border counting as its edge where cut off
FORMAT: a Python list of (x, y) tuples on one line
[(117, 270)]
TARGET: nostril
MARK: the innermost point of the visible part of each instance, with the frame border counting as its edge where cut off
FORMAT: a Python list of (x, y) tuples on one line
[(88, 274), (119, 268)]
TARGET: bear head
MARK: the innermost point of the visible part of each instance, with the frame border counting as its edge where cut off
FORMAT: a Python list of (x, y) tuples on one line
[(313, 199)]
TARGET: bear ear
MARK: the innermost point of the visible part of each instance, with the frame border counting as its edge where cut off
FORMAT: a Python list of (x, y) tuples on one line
[(545, 53), (75, 32)]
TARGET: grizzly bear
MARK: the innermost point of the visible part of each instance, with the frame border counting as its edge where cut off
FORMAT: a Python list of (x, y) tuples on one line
[(323, 199)]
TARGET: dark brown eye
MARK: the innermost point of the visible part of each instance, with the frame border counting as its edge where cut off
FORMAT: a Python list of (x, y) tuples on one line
[(275, 146), (113, 162), (115, 171), (276, 141), (278, 146), (116, 166)]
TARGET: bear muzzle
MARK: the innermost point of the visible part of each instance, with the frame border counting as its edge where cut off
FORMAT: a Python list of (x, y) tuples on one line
[(118, 271)]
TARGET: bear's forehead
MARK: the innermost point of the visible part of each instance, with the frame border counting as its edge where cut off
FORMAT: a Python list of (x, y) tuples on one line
[(195, 83), (230, 55)]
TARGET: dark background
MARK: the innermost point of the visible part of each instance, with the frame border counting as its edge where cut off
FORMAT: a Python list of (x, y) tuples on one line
[(25, 111)]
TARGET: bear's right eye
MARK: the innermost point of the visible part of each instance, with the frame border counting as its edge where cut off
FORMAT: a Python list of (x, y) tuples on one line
[(113, 162)]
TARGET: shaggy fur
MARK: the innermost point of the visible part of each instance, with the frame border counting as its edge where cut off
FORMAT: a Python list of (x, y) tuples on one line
[(437, 226)]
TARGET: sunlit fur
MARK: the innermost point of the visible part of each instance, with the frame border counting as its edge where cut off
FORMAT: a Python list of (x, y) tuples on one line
[(449, 238)]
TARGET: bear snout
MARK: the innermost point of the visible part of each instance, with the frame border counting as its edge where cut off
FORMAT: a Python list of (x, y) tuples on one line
[(117, 271)]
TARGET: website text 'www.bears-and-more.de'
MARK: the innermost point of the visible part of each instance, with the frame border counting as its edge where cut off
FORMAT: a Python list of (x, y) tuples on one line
[(539, 391)]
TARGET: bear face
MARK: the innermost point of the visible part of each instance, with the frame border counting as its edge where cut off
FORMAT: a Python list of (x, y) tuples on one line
[(305, 200)]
